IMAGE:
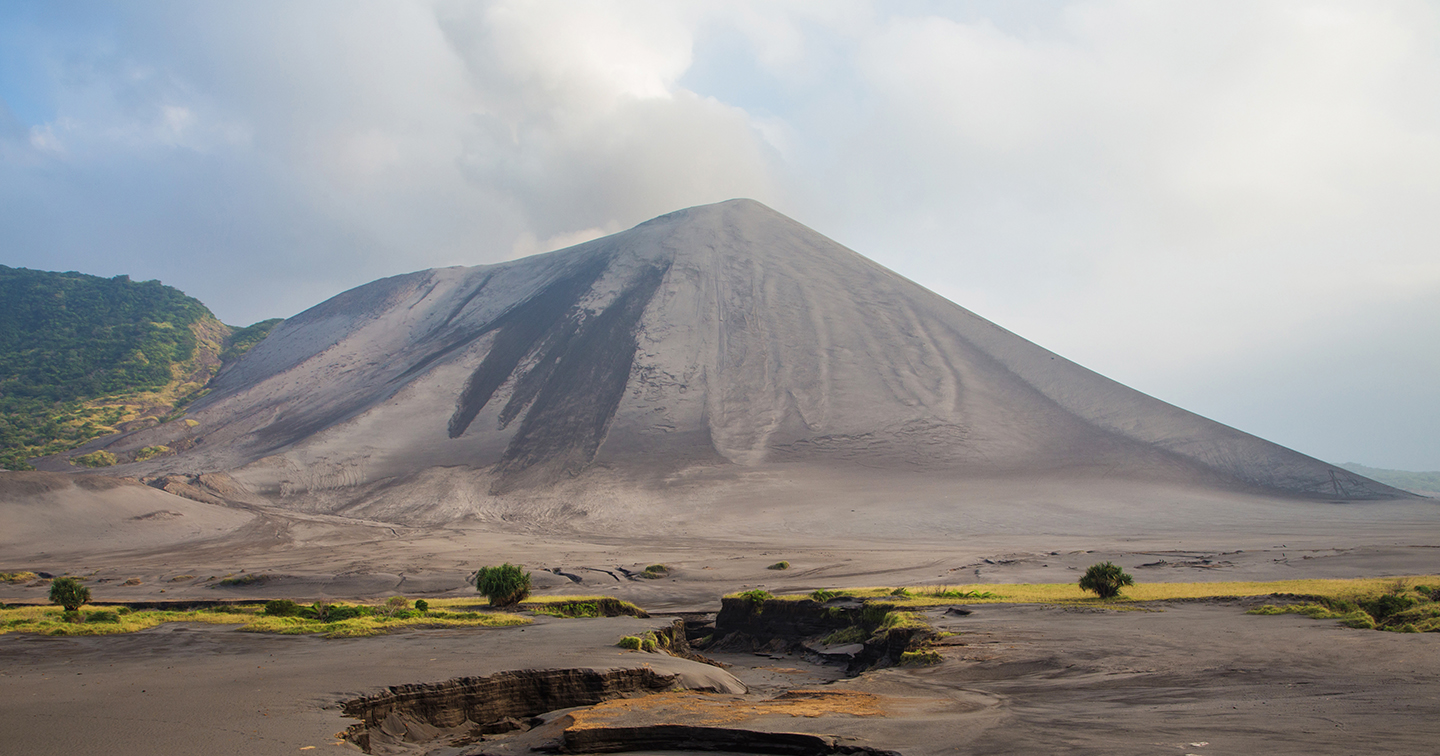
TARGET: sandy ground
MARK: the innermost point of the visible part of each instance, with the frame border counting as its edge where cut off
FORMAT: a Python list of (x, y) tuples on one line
[(1201, 678), (1028, 679)]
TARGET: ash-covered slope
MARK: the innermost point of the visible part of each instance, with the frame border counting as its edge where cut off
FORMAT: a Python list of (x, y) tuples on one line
[(722, 335)]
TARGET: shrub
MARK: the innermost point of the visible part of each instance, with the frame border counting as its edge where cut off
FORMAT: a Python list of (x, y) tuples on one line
[(151, 452), (506, 585), (630, 642), (821, 595), (69, 593), (901, 592), (781, 565), (1105, 580), (103, 616), (282, 608), (422, 606), (394, 606), (757, 597)]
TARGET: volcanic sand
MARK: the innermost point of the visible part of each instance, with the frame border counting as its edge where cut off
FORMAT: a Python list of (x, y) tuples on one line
[(1029, 679)]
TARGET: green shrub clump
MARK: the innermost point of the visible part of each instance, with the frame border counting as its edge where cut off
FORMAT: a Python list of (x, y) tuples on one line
[(821, 595), (644, 643), (422, 606), (1105, 580), (69, 593), (506, 585), (781, 565), (757, 597), (282, 608)]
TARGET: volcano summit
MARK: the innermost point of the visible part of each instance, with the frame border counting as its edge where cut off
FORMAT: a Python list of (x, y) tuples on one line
[(712, 347)]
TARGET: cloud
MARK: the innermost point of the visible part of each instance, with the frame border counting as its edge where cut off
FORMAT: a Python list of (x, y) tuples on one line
[(1185, 197)]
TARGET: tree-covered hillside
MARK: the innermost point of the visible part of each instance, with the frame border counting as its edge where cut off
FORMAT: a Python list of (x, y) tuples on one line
[(82, 356)]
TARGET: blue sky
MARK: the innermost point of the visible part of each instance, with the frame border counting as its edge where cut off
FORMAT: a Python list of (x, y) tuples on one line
[(1227, 205)]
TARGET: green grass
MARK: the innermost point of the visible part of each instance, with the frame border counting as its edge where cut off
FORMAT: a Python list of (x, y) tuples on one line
[(581, 606), (1070, 593), (49, 620)]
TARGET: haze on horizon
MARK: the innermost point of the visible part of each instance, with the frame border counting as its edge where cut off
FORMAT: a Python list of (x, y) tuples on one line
[(1229, 206)]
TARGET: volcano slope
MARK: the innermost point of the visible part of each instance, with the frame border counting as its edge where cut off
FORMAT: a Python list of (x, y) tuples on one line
[(719, 359)]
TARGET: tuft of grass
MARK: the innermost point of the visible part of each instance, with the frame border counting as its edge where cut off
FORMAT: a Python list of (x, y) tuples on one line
[(242, 581), (821, 595), (780, 565), (924, 657), (23, 576), (645, 642)]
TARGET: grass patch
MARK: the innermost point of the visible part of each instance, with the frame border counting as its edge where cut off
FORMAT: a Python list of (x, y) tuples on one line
[(1070, 593), (924, 657), (17, 577), (52, 620), (1405, 606), (242, 581), (582, 606)]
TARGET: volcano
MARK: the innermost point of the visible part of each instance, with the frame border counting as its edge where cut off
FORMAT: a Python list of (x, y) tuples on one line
[(709, 347)]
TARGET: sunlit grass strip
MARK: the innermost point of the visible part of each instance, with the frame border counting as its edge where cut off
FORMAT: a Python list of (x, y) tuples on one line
[(1041, 593), (361, 627), (45, 620)]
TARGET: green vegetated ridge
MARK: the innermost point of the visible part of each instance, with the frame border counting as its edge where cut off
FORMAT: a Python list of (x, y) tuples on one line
[(83, 356), (1423, 483)]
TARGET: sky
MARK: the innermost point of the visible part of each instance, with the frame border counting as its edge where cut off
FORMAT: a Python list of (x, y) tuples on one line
[(1231, 206)]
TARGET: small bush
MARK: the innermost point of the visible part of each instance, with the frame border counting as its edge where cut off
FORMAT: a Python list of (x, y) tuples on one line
[(781, 565), (69, 593), (901, 592), (757, 597), (72, 615), (657, 569), (506, 585), (422, 606), (103, 616), (282, 608), (1105, 580), (151, 452), (629, 642), (821, 595)]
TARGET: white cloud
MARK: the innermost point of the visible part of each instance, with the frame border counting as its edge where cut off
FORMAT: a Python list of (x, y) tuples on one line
[(1173, 194)]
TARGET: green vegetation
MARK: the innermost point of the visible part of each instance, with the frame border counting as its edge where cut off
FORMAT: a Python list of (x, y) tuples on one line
[(17, 577), (582, 606), (321, 618), (781, 565), (506, 585), (242, 581), (923, 657), (645, 642), (100, 458), (655, 572), (1070, 593), (1405, 607), (69, 593), (244, 339), (150, 452), (821, 595), (422, 606), (1105, 580), (82, 355), (756, 597)]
